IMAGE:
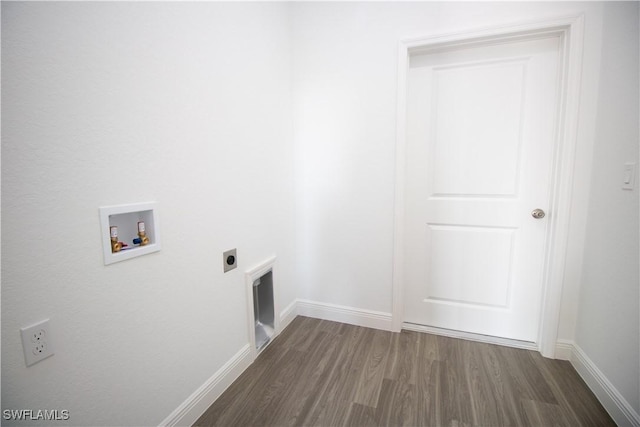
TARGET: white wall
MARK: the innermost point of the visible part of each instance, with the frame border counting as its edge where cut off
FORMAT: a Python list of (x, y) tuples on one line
[(109, 103), (345, 68), (608, 322)]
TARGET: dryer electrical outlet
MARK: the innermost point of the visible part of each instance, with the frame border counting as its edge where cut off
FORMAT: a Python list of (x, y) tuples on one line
[(36, 342), (229, 260)]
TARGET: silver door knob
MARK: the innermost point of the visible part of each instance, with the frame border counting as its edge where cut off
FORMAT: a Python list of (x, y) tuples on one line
[(537, 213)]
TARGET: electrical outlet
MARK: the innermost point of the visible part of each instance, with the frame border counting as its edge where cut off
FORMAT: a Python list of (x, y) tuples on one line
[(36, 342), (229, 260)]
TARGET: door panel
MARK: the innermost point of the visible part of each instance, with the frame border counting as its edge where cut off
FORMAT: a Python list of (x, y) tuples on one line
[(463, 256), (480, 137), (485, 131)]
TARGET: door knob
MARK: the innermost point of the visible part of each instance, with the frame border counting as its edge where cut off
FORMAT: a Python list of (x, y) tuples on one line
[(537, 213)]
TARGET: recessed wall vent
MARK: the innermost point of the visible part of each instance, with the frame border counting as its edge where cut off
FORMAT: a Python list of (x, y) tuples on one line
[(263, 321)]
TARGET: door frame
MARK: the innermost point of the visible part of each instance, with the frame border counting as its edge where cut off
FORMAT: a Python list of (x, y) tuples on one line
[(570, 30)]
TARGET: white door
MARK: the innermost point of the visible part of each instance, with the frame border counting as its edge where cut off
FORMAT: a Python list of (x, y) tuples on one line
[(480, 138)]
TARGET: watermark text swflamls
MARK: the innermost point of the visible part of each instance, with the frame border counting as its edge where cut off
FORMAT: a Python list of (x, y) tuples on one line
[(36, 414)]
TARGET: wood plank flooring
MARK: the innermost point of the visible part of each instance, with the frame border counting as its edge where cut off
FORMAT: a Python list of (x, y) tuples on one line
[(321, 373)]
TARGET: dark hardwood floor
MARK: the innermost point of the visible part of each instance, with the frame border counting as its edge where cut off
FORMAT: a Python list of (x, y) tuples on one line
[(321, 373)]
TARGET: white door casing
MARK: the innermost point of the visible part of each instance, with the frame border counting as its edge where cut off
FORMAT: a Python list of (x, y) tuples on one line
[(466, 237)]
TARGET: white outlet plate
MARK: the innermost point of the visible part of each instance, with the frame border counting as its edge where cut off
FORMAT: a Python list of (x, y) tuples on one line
[(37, 342)]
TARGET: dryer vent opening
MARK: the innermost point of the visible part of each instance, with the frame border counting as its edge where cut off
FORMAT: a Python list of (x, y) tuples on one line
[(263, 309)]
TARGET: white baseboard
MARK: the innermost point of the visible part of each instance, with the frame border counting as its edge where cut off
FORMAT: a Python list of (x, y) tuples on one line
[(564, 350), (288, 314), (195, 405), (615, 404), (344, 314)]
